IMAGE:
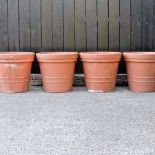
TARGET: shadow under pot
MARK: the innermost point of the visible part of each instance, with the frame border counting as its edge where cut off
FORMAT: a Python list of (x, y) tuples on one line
[(15, 70), (100, 70), (57, 70), (141, 71)]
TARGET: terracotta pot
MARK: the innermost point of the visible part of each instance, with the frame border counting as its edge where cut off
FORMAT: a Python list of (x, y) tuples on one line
[(141, 71), (100, 69), (15, 69), (57, 69)]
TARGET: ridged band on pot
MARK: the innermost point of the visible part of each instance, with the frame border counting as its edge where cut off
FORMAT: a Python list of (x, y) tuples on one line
[(141, 71), (100, 69), (15, 69), (57, 69)]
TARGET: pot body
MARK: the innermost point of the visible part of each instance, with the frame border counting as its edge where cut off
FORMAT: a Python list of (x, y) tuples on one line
[(15, 69), (100, 70), (141, 71), (57, 69)]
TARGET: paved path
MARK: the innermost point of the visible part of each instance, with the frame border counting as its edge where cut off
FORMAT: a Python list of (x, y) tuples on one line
[(77, 123)]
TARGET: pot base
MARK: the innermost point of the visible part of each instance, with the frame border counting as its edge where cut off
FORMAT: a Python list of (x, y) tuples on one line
[(99, 91), (142, 87), (55, 91), (56, 87), (14, 88), (13, 92), (100, 87)]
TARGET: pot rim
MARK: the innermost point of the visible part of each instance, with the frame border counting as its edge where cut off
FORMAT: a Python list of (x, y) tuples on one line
[(57, 56), (104, 56), (139, 56), (57, 53), (101, 53), (138, 53), (16, 56), (17, 53)]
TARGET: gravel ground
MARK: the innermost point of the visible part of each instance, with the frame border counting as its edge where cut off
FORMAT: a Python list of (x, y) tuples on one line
[(77, 123)]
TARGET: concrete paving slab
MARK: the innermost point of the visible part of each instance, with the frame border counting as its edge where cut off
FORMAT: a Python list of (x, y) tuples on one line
[(77, 123)]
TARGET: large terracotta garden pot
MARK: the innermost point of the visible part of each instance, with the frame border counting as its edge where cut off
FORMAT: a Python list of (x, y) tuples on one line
[(57, 69), (141, 71), (100, 69), (15, 69)]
